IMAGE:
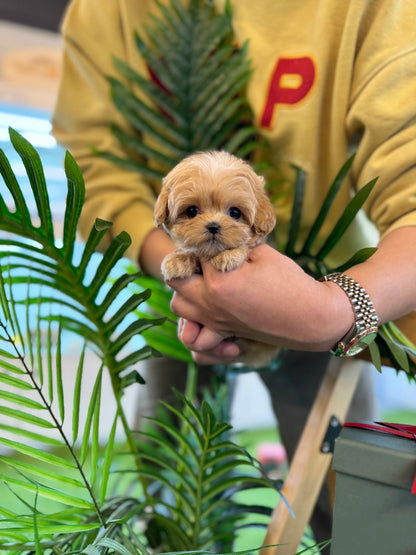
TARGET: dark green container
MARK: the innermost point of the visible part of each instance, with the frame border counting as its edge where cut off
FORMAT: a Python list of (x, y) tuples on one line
[(375, 511)]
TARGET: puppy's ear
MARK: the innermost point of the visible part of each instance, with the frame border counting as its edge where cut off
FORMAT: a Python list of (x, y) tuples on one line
[(265, 218), (161, 207)]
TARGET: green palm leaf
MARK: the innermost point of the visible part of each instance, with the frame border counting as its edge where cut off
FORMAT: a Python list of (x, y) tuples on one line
[(346, 219), (38, 454), (295, 219), (62, 280), (33, 165), (360, 256), (47, 291), (28, 469), (50, 493), (202, 470), (34, 437), (314, 262), (195, 101), (326, 205)]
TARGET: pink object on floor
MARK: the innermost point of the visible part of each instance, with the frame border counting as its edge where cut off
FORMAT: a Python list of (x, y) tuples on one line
[(271, 453)]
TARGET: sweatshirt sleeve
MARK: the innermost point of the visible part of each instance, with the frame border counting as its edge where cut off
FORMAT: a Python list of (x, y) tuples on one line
[(382, 115), (93, 32)]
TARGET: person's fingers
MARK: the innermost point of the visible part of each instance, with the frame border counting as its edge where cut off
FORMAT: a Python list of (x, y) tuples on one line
[(224, 353), (182, 307), (207, 347), (188, 331), (207, 268), (191, 284), (201, 339)]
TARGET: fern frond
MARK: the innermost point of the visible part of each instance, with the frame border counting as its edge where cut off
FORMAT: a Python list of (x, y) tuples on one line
[(201, 472), (194, 99), (48, 292), (61, 279)]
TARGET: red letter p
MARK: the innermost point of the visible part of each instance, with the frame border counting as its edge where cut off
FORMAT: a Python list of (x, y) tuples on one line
[(291, 81)]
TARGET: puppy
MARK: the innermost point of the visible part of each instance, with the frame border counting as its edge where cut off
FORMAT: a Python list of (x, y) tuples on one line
[(214, 207)]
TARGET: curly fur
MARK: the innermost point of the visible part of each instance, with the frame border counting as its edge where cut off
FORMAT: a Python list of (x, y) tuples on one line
[(214, 207)]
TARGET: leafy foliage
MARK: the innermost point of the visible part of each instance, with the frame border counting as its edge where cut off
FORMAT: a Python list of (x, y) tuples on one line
[(72, 493), (164, 338), (88, 307), (68, 491), (46, 293), (308, 256), (195, 98), (200, 472)]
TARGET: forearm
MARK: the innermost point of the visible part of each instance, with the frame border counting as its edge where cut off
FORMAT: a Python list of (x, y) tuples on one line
[(389, 276), (272, 300)]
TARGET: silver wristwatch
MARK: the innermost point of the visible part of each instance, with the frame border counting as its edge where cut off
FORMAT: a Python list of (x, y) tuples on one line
[(365, 327)]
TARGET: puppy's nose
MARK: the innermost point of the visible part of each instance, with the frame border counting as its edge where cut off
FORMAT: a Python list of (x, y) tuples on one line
[(213, 227)]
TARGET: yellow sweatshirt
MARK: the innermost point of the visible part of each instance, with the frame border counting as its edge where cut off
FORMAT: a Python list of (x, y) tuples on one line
[(328, 76)]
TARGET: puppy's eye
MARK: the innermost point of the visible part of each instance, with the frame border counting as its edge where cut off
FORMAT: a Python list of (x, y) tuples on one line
[(192, 211), (234, 213)]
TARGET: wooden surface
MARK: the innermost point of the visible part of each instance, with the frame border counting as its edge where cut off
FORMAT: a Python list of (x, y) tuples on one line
[(310, 466)]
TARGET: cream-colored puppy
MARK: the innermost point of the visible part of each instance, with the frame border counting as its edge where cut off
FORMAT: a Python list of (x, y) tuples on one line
[(214, 207)]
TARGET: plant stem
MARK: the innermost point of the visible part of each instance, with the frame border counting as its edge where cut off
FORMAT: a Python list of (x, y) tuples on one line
[(115, 383), (191, 381), (56, 424)]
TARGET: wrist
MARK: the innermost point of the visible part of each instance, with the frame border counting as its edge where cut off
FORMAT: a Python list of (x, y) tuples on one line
[(156, 245), (337, 316)]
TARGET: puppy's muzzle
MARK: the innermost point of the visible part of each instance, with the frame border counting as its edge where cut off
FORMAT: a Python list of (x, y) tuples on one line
[(213, 228)]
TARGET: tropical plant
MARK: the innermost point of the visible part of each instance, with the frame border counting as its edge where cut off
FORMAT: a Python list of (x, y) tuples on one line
[(72, 496), (199, 479), (195, 99)]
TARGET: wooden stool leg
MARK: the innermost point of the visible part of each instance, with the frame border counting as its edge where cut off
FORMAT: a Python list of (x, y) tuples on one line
[(310, 466)]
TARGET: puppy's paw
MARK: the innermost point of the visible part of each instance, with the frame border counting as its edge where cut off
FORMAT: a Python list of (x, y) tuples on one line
[(179, 265), (229, 259), (256, 354)]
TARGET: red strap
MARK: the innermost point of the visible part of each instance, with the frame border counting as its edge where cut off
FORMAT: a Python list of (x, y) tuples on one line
[(401, 430)]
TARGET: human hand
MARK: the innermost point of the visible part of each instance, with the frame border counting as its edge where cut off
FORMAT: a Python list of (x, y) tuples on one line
[(206, 346), (268, 299)]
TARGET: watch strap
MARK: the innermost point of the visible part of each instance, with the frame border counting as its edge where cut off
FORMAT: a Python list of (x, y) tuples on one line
[(365, 317)]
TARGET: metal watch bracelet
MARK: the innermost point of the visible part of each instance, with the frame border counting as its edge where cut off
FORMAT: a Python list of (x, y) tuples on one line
[(366, 320)]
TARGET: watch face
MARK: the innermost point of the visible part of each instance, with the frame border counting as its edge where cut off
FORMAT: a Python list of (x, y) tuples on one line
[(360, 342)]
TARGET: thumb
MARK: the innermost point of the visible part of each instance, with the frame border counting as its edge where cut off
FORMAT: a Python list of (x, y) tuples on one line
[(188, 331)]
